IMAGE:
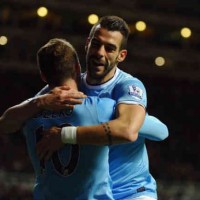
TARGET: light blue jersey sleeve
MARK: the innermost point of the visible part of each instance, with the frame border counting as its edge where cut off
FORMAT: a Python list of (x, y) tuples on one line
[(153, 129), (130, 91)]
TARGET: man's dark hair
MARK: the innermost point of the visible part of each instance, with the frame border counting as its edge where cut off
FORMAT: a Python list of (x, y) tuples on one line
[(57, 60), (113, 23)]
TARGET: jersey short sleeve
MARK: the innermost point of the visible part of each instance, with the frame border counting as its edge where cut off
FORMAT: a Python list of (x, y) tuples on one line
[(130, 91)]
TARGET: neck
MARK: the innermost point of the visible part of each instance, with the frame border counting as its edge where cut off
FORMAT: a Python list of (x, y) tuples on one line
[(100, 80), (70, 82)]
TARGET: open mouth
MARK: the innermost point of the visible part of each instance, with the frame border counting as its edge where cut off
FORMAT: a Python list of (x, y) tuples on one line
[(97, 63)]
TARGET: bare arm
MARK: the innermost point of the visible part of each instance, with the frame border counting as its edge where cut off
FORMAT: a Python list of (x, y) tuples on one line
[(120, 130), (59, 98), (123, 129), (14, 117)]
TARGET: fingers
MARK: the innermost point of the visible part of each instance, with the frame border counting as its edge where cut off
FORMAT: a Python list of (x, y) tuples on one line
[(73, 101), (62, 97), (68, 92), (59, 89), (69, 106), (43, 152), (50, 142), (74, 94)]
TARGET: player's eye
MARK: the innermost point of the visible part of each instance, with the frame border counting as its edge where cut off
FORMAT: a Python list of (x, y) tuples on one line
[(95, 43), (110, 48)]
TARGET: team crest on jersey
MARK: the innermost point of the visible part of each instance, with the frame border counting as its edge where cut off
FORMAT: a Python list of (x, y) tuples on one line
[(135, 91)]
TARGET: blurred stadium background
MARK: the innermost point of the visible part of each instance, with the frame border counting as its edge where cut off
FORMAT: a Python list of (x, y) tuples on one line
[(163, 52)]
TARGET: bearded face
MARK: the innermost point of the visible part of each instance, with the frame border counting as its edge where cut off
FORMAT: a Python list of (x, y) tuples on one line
[(102, 56)]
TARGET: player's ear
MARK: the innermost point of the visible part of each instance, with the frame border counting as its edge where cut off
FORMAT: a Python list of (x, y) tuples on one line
[(122, 55), (43, 77)]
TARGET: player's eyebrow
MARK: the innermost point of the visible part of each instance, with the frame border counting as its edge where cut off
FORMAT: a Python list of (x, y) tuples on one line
[(107, 44)]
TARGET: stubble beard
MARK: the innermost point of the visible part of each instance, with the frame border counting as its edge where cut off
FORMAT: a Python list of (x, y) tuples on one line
[(98, 77)]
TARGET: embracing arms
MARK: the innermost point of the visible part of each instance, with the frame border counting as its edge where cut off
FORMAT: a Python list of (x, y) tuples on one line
[(120, 130), (126, 128), (59, 98), (123, 129)]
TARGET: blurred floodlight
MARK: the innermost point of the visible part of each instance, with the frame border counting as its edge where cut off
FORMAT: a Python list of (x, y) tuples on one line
[(186, 32), (42, 12), (159, 61), (140, 26), (3, 40), (93, 18)]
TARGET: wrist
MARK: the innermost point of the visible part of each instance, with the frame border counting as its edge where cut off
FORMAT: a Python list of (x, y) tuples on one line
[(68, 135), (35, 103), (39, 101)]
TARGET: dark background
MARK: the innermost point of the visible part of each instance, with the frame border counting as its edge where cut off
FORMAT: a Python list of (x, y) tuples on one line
[(173, 90)]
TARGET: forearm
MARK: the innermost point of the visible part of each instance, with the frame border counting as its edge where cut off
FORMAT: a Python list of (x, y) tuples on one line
[(153, 129), (13, 118), (123, 129), (58, 99), (112, 132)]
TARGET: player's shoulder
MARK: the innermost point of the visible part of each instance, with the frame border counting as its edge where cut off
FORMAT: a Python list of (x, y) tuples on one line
[(98, 100), (125, 77)]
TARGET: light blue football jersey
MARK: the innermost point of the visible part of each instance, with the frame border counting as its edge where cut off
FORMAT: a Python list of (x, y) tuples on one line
[(74, 172), (129, 165)]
